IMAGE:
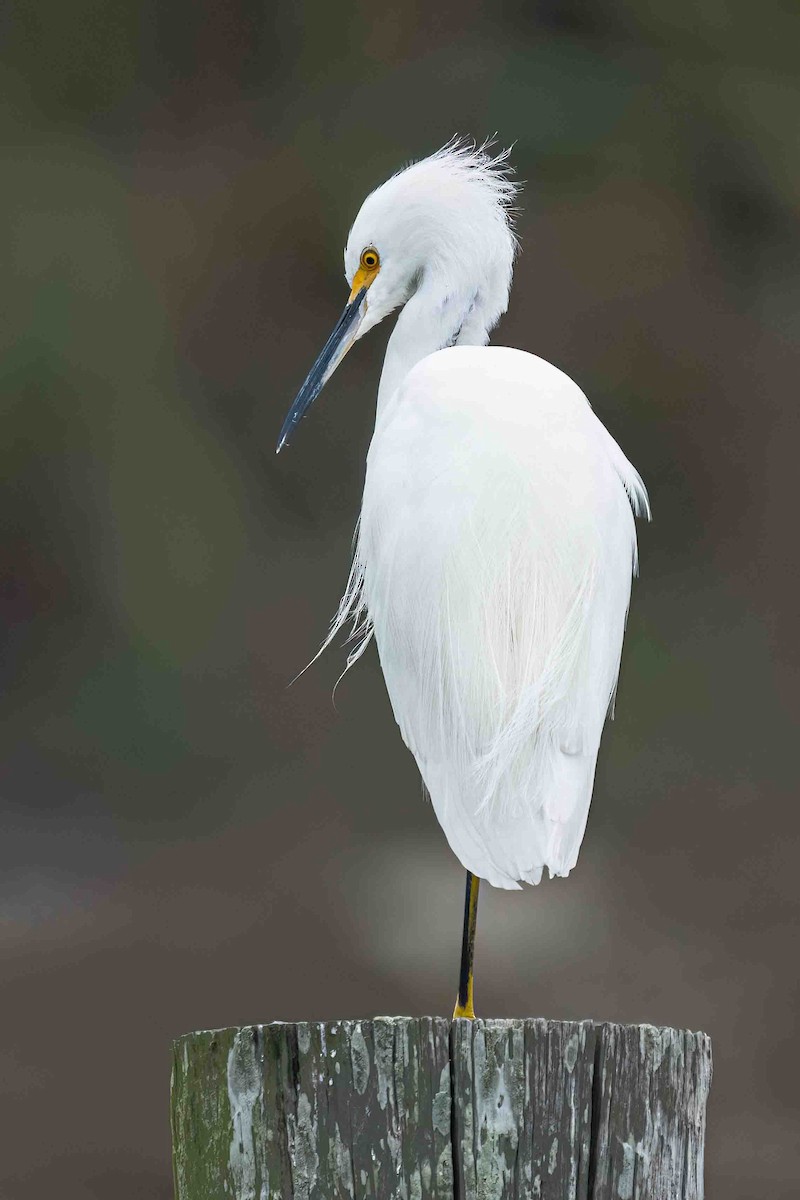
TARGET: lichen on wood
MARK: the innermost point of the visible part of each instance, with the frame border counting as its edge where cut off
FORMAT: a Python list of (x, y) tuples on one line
[(425, 1109)]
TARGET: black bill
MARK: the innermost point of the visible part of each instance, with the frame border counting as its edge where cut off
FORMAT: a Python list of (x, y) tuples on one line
[(332, 354)]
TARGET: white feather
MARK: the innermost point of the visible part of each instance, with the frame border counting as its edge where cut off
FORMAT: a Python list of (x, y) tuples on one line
[(496, 541)]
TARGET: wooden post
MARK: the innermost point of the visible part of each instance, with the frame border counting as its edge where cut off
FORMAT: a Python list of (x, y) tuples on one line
[(399, 1108)]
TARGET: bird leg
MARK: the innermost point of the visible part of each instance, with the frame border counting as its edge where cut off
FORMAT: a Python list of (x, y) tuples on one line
[(464, 1006)]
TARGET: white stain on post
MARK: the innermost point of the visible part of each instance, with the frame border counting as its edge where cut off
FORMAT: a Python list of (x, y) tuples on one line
[(553, 1157), (384, 1054), (625, 1184), (244, 1092), (571, 1052), (441, 1106), (303, 1147), (359, 1058)]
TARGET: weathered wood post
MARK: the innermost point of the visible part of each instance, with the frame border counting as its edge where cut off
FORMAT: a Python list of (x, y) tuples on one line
[(427, 1109)]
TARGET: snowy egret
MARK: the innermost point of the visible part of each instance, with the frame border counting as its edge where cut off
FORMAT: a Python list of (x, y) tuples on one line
[(496, 541)]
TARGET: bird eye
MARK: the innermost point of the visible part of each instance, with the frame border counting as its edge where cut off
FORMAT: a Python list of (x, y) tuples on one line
[(370, 259)]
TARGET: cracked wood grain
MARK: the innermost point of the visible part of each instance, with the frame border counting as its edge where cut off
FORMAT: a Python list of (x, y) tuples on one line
[(428, 1109)]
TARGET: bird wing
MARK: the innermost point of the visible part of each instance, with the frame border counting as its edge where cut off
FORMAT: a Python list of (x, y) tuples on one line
[(493, 564)]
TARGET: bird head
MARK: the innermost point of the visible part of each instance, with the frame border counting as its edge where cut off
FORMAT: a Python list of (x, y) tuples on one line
[(440, 226)]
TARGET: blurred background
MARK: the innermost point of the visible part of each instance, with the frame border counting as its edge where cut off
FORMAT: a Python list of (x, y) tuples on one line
[(188, 841)]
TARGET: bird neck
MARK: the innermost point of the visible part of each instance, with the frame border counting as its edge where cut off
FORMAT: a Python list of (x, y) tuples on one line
[(429, 322)]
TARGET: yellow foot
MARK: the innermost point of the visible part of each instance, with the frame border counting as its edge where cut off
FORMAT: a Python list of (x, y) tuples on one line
[(464, 1010)]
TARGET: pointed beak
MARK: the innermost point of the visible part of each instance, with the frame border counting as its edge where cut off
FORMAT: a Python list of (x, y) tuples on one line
[(344, 334)]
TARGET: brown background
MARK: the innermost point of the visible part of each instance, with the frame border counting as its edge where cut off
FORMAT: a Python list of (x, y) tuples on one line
[(188, 842)]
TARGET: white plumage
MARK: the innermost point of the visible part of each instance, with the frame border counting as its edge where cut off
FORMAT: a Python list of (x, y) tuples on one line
[(496, 541)]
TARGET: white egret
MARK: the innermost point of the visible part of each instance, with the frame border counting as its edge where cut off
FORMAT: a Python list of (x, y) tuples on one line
[(496, 541)]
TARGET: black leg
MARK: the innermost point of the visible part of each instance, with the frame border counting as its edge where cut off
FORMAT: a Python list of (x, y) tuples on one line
[(464, 1005)]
